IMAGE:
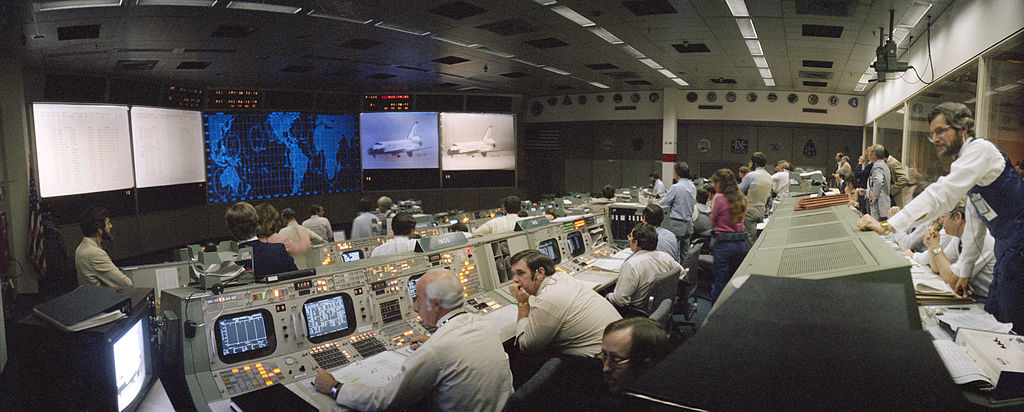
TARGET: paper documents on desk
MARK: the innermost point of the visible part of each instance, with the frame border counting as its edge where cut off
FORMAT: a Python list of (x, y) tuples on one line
[(503, 317), (224, 270), (979, 321), (623, 254), (592, 279), (612, 265), (375, 371), (929, 283), (960, 366)]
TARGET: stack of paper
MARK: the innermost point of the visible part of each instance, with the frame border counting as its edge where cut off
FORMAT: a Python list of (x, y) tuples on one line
[(611, 265), (972, 320)]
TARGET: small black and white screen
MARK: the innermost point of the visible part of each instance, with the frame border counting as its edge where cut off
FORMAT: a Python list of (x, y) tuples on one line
[(243, 334), (550, 248), (413, 280), (325, 316), (576, 246), (352, 256)]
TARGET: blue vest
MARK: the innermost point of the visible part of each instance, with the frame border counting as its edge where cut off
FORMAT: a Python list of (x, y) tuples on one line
[(1005, 196)]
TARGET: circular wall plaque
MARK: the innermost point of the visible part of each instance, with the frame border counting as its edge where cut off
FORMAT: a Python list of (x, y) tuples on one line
[(635, 97), (566, 100), (730, 97), (812, 99), (853, 102), (772, 97), (552, 100), (703, 145), (691, 97), (792, 98), (617, 98), (832, 100), (600, 98), (653, 97), (712, 97), (751, 97), (582, 99)]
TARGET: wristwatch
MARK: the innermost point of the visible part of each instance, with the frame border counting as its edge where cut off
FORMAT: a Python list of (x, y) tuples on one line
[(936, 251)]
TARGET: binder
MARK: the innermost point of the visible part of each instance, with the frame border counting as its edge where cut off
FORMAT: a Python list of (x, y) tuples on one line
[(272, 398), (72, 311)]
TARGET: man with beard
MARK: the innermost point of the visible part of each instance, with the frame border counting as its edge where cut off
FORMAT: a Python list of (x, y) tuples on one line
[(984, 175), (92, 262)]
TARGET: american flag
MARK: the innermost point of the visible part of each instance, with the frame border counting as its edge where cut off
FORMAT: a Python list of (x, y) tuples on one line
[(35, 233)]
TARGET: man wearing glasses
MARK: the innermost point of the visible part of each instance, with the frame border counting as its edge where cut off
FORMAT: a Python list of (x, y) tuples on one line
[(630, 347), (995, 201)]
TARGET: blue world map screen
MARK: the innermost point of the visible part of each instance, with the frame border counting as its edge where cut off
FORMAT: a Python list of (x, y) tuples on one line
[(267, 155)]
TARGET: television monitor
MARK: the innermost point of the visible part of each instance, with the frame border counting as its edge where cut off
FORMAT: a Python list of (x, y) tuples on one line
[(82, 148), (329, 317), (130, 364), (167, 146), (245, 335), (352, 255), (550, 248), (392, 140), (576, 245), (478, 141), (413, 280), (501, 263), (269, 155)]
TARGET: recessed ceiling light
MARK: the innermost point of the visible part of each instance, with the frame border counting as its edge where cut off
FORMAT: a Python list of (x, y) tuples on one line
[(606, 35), (489, 50), (599, 85), (632, 52), (899, 34), (915, 13), (754, 47), (760, 62), (454, 41), (545, 2), (556, 70), (769, 82), (314, 13), (651, 63), (680, 82), (667, 73), (526, 62), (273, 8), (77, 4), (573, 15), (738, 8), (866, 77), (401, 29), (190, 3), (746, 28), (765, 73), (860, 87)]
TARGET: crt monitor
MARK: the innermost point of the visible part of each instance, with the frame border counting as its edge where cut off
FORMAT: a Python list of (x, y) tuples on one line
[(329, 317), (352, 255), (130, 363), (413, 280), (576, 245), (501, 263), (245, 335), (550, 248)]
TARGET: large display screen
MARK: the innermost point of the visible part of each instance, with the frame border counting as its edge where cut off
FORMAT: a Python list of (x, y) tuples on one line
[(130, 364), (399, 140), (329, 317), (477, 141), (167, 145), (245, 335), (550, 248), (266, 155), (82, 148)]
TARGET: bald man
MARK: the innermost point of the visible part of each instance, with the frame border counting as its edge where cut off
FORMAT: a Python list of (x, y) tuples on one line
[(461, 367)]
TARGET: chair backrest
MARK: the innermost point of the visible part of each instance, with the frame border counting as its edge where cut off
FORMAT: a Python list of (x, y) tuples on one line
[(662, 313), (664, 288), (691, 255), (523, 399)]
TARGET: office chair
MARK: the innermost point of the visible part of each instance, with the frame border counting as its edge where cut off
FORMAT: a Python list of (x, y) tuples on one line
[(661, 302), (529, 396)]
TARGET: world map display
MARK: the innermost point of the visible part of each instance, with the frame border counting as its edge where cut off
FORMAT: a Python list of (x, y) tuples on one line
[(268, 155)]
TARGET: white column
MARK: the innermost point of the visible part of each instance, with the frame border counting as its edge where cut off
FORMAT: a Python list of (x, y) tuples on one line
[(669, 133)]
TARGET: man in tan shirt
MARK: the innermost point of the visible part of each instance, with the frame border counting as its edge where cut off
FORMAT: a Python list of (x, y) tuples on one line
[(92, 262)]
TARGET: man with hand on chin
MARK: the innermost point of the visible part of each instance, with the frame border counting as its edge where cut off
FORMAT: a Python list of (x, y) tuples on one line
[(462, 366), (566, 317)]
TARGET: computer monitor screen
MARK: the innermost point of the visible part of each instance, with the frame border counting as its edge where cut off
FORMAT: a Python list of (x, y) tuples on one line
[(130, 364), (478, 141), (550, 247), (352, 255), (395, 140), (329, 317), (167, 145), (501, 263), (576, 245), (245, 335), (413, 280)]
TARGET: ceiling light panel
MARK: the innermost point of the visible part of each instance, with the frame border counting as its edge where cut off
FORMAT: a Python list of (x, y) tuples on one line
[(915, 13), (272, 8), (606, 35), (765, 73), (754, 47), (738, 8), (526, 62), (769, 82), (573, 15), (186, 3), (545, 2), (556, 70), (401, 29), (860, 87), (494, 52), (866, 77), (746, 28), (77, 4), (314, 13), (632, 52), (680, 82), (899, 34), (667, 73), (651, 63), (760, 62), (599, 85), (454, 41)]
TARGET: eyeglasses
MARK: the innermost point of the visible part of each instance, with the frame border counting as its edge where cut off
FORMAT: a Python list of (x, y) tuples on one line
[(616, 360), (940, 131)]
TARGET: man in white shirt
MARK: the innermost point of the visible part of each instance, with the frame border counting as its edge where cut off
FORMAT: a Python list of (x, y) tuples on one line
[(462, 366), (291, 231), (657, 186), (404, 225), (945, 260), (565, 317), (653, 215), (641, 270), (780, 179), (502, 224), (366, 224), (319, 224), (384, 205), (757, 187), (92, 262)]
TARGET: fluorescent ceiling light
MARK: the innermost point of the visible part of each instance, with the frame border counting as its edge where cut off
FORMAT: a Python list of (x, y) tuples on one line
[(632, 52), (573, 15), (454, 41), (555, 70), (1007, 87), (401, 29), (769, 82), (746, 28), (190, 3), (314, 13), (754, 47), (738, 8), (667, 73), (866, 77), (273, 8), (765, 73), (651, 63), (528, 63), (680, 82), (545, 2), (761, 62), (495, 52), (915, 13), (860, 87), (598, 85), (606, 35), (899, 34), (77, 4)]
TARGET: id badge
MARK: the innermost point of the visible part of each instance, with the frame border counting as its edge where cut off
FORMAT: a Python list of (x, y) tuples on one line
[(983, 208)]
